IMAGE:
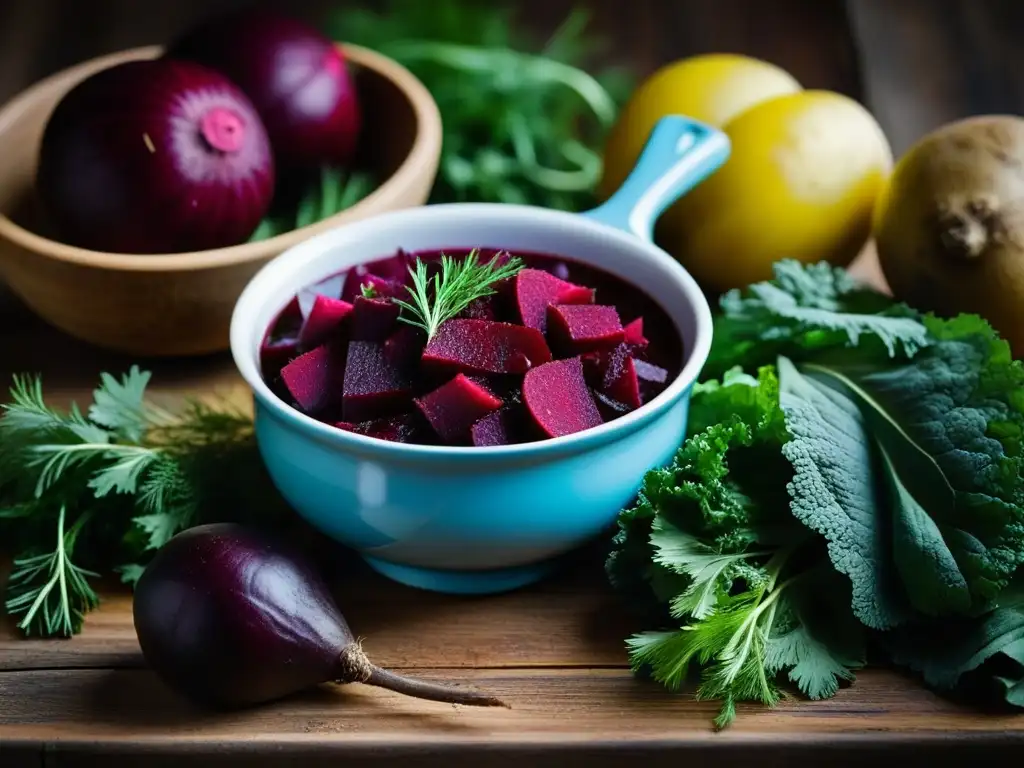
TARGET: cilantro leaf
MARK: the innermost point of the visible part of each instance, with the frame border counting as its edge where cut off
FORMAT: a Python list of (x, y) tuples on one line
[(804, 310), (747, 641), (130, 573), (817, 641), (122, 476), (707, 570), (119, 406)]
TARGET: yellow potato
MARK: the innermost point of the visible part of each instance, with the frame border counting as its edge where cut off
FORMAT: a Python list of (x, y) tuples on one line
[(712, 88), (801, 183)]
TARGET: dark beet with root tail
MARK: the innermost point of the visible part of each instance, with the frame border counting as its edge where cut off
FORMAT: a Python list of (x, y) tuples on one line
[(231, 618)]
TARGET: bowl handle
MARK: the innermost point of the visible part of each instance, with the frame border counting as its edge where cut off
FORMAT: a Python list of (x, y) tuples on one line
[(679, 154)]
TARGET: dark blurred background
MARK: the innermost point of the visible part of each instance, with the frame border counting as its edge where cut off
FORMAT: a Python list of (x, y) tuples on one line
[(915, 63)]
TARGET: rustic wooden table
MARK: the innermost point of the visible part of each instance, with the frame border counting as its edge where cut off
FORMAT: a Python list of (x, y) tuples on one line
[(555, 651)]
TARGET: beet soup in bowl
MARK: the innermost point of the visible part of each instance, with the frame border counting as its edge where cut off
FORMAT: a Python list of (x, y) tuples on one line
[(526, 423)]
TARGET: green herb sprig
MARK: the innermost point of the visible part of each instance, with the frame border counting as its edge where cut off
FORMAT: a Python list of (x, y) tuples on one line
[(523, 123), (84, 493), (881, 447), (457, 284), (332, 191)]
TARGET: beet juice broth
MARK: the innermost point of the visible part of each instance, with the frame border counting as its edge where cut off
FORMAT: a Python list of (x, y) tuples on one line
[(500, 372)]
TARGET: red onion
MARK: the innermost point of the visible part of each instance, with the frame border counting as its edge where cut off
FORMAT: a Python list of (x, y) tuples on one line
[(297, 78), (230, 618), (155, 156)]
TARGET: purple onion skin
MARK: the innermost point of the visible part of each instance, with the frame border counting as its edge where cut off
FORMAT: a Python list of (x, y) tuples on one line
[(296, 77), (230, 618), (155, 156)]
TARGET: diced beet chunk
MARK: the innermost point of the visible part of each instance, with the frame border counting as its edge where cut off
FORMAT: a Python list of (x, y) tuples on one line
[(577, 328), (651, 378), (314, 379), (324, 320), (633, 334), (619, 380), (276, 354), (381, 287), (454, 407), (290, 320), (405, 345), (485, 346), (373, 319), (536, 290), (648, 372), (353, 286), (393, 268), (492, 429), (374, 385), (595, 365), (558, 399), (329, 287), (396, 429)]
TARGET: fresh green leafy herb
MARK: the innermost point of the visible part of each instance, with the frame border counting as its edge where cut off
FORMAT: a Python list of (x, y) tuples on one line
[(457, 284), (333, 191), (368, 290), (522, 123), (78, 492), (806, 311), (984, 653), (740, 577), (898, 449), (47, 591)]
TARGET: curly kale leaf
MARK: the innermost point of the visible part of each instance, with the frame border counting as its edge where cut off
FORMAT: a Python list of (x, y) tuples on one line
[(737, 420)]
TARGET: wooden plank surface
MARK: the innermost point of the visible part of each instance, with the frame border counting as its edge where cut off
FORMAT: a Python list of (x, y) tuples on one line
[(927, 62)]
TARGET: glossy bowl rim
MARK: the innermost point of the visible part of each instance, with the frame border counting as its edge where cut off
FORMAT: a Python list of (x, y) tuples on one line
[(426, 145), (277, 270)]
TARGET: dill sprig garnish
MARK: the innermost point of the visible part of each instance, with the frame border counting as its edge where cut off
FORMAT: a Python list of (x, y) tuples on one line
[(456, 285)]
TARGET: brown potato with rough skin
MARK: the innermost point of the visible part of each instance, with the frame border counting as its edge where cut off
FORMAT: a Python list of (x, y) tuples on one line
[(949, 227)]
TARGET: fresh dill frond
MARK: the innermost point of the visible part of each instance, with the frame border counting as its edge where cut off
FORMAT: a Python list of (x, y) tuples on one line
[(28, 416), (457, 284), (131, 474), (47, 591), (167, 501)]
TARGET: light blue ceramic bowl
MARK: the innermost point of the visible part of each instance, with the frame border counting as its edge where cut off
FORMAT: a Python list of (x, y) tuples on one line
[(481, 520)]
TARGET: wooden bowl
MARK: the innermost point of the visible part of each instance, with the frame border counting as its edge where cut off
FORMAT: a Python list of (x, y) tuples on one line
[(181, 303)]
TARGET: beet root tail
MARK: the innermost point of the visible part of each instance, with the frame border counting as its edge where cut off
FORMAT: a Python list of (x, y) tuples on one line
[(356, 667)]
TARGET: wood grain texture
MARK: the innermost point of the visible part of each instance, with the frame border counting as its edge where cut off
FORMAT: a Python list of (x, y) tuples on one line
[(548, 707), (573, 620), (927, 62)]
